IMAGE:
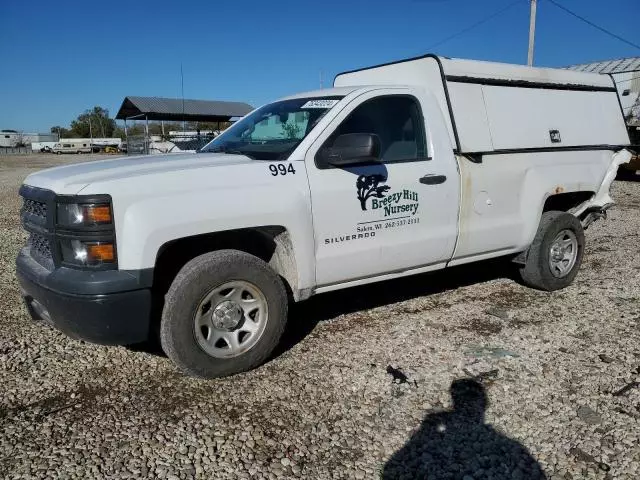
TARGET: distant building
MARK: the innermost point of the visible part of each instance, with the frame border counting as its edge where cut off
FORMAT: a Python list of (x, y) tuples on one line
[(14, 138)]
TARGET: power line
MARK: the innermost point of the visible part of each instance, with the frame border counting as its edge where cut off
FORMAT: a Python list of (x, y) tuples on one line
[(588, 22), (476, 24)]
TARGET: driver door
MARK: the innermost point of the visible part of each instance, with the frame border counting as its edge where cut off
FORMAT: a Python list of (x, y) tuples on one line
[(380, 218)]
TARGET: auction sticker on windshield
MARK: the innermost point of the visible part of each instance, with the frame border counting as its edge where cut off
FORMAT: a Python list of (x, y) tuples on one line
[(320, 103)]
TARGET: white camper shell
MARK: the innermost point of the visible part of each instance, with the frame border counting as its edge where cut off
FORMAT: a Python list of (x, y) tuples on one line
[(496, 108)]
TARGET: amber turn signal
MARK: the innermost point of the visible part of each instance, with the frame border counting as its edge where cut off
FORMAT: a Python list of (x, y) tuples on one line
[(100, 253), (97, 214), (84, 214)]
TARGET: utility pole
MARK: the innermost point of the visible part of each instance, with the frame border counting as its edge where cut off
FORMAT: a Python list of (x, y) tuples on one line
[(320, 79), (90, 136), (182, 93), (532, 32)]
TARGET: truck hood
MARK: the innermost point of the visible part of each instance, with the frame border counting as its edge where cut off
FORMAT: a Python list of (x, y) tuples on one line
[(71, 179)]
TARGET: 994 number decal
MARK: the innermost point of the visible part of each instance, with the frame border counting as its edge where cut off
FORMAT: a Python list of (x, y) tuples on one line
[(281, 169)]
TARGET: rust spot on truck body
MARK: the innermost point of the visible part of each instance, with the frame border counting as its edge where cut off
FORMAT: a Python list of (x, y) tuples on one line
[(466, 202)]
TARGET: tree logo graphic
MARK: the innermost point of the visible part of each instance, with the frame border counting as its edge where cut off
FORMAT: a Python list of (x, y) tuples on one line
[(368, 186)]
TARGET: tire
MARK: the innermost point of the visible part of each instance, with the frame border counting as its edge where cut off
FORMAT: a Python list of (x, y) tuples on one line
[(184, 342), (540, 270), (59, 153)]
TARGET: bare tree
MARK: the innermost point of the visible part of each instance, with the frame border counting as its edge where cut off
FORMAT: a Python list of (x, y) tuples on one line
[(20, 139)]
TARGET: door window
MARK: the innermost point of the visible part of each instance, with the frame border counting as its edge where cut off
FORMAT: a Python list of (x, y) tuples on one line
[(397, 121)]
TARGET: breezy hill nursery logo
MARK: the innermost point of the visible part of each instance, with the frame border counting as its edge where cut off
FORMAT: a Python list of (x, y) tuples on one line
[(368, 187)]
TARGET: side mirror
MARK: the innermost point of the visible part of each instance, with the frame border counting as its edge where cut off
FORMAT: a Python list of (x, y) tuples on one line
[(353, 149)]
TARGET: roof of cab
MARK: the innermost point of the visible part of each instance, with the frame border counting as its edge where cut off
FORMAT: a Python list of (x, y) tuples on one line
[(326, 92)]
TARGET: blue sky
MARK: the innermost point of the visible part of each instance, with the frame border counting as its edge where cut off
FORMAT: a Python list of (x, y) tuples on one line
[(60, 58)]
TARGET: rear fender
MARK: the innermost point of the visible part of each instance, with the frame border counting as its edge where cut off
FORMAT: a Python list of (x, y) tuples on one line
[(602, 199)]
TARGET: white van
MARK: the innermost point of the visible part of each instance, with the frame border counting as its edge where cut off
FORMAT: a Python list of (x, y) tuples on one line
[(71, 148)]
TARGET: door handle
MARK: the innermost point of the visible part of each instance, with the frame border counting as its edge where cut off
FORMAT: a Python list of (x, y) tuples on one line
[(432, 179)]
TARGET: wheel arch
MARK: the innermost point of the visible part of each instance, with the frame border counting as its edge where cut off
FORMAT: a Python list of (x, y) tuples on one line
[(553, 189), (566, 201), (272, 243), (556, 200)]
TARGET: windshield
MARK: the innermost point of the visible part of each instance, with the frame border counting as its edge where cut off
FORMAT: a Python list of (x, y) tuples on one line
[(272, 132)]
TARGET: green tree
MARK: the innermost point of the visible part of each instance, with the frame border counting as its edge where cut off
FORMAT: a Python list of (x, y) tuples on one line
[(291, 130), (214, 126), (118, 132), (95, 121), (134, 130), (61, 131)]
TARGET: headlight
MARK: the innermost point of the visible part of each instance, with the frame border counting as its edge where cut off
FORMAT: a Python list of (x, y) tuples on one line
[(80, 252), (84, 214)]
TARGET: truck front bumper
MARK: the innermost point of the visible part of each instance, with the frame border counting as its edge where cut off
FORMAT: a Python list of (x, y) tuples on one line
[(106, 307)]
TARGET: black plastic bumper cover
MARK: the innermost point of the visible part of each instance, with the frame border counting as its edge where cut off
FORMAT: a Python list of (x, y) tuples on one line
[(114, 318)]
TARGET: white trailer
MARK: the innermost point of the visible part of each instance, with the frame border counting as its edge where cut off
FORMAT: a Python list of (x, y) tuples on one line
[(67, 146), (96, 141)]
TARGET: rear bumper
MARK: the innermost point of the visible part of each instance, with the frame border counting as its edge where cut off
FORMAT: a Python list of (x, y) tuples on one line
[(111, 318)]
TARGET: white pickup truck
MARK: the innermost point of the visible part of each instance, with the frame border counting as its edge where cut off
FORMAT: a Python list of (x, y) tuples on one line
[(401, 168)]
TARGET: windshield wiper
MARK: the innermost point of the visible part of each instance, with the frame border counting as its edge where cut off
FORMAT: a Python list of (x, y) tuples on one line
[(231, 151)]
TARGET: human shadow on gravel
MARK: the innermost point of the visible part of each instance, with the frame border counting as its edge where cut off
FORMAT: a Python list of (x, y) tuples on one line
[(457, 444), (305, 316)]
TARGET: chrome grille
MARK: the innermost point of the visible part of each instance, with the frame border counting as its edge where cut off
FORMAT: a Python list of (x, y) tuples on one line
[(33, 207)]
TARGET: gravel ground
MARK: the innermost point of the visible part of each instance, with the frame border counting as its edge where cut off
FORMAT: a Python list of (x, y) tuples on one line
[(461, 375)]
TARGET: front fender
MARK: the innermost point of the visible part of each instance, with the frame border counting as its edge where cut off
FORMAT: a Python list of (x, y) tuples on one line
[(151, 211)]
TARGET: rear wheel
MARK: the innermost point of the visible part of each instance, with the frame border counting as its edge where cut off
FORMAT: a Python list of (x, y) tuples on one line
[(224, 313), (554, 257)]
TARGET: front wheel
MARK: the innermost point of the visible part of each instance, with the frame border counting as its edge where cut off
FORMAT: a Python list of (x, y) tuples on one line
[(554, 257), (224, 313)]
